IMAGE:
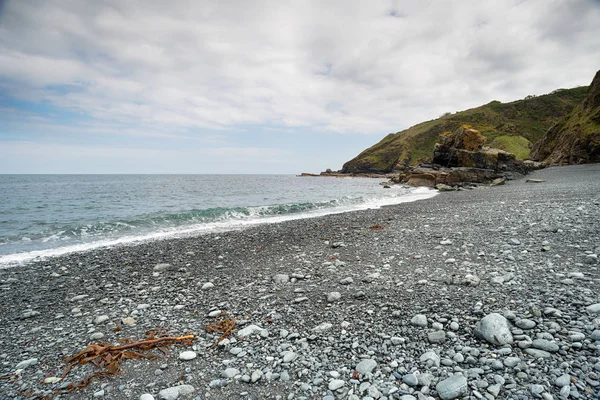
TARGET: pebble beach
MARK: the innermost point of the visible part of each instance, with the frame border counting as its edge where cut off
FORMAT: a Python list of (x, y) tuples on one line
[(489, 293)]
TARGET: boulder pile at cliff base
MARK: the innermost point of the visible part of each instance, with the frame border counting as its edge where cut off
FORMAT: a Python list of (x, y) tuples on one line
[(483, 294)]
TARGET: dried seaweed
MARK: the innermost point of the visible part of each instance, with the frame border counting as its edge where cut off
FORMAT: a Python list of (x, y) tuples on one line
[(108, 358), (225, 325), (376, 227)]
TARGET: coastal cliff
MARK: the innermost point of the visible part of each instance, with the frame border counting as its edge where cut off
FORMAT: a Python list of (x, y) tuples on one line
[(512, 127), (576, 138)]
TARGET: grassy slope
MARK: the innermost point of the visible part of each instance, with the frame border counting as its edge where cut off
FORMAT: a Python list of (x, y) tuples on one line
[(576, 138), (510, 126)]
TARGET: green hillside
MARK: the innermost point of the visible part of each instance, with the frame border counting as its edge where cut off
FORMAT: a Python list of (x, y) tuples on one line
[(513, 127), (575, 139)]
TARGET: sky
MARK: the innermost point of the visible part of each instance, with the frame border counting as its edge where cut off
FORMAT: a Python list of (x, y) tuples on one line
[(198, 86)]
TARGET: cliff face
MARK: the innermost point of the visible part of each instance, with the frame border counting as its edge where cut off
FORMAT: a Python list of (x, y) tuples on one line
[(513, 127), (576, 138)]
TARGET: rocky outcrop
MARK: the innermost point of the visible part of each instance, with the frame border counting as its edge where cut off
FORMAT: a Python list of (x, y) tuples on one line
[(576, 138), (460, 157)]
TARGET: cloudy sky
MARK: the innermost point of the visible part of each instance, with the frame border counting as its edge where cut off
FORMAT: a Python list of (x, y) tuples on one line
[(224, 86)]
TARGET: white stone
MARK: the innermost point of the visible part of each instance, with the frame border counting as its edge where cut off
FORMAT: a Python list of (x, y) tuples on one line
[(281, 279), (27, 363), (208, 285), (335, 384), (333, 296), (146, 396), (252, 330), (325, 326), (100, 319), (187, 355)]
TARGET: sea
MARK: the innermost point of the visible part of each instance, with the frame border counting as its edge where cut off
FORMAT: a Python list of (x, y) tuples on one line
[(49, 215)]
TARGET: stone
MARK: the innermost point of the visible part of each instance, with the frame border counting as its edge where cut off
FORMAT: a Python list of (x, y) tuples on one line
[(335, 384), (436, 337), (563, 380), (323, 327), (289, 356), (594, 308), (576, 336), (208, 285), (410, 379), (251, 330), (494, 390), (256, 375), (171, 393), (495, 329), (27, 363), (229, 373), (525, 323), (545, 345), (452, 388), (162, 267), (29, 314), (187, 355), (100, 319), (333, 297), (99, 393), (97, 335), (146, 396), (430, 356), (346, 281), (129, 321), (511, 362), (419, 320), (281, 279), (366, 366), (535, 353)]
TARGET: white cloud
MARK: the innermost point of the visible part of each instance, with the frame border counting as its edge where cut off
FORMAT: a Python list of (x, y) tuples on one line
[(343, 66)]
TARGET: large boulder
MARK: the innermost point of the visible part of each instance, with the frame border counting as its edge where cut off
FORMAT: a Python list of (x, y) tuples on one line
[(495, 329)]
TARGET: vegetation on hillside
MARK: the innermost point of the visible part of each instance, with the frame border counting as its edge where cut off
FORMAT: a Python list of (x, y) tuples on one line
[(575, 138), (513, 127)]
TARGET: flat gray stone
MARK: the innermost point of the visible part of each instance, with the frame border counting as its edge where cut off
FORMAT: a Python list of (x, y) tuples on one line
[(546, 345), (537, 353), (229, 373), (410, 379), (436, 337), (366, 366), (525, 323), (452, 387), (594, 308)]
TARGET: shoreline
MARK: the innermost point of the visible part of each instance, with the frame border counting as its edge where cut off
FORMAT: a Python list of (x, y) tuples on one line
[(16, 260), (449, 258)]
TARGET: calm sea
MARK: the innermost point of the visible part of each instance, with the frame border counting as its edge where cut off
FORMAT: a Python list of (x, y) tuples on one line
[(46, 215)]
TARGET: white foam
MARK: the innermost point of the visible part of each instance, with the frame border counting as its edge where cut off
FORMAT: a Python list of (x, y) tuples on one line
[(11, 260)]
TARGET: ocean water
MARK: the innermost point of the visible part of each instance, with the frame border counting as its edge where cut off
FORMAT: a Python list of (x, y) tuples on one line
[(46, 215)]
